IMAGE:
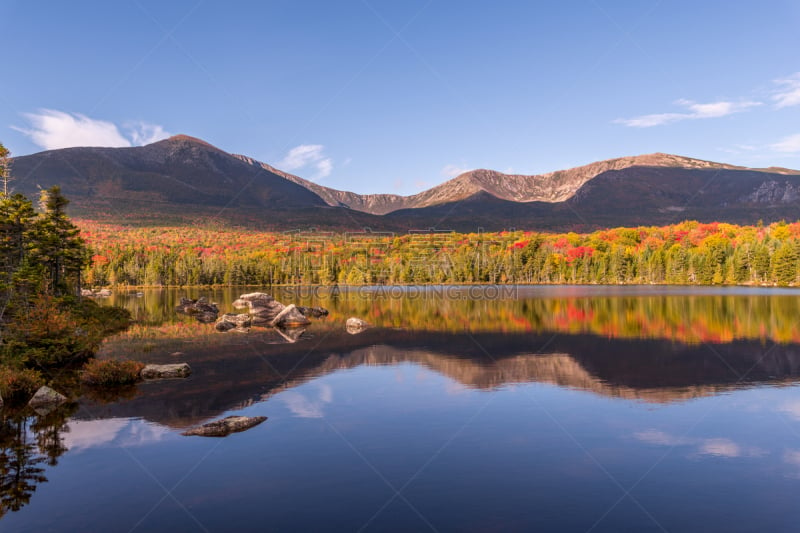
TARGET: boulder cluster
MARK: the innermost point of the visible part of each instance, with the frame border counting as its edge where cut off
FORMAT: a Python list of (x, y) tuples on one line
[(264, 310)]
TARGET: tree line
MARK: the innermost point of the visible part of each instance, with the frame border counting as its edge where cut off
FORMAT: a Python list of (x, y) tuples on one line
[(686, 253)]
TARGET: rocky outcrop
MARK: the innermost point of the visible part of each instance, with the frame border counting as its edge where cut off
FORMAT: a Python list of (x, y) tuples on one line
[(170, 371), (289, 317), (312, 312), (356, 325), (46, 399), (773, 193), (201, 309), (264, 310), (226, 426), (230, 321)]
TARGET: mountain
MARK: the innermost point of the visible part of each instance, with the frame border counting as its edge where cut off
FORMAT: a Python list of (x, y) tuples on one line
[(183, 179), (552, 187), (181, 170), (178, 180)]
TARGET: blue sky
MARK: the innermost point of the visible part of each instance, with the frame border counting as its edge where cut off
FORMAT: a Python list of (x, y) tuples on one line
[(390, 96)]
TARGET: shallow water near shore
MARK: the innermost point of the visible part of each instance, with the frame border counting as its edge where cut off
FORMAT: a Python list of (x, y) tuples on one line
[(462, 409)]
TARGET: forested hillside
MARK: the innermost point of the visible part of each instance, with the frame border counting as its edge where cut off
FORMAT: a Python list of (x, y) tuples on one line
[(685, 253)]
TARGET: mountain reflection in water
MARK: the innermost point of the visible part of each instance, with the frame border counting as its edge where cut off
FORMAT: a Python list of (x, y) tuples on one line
[(657, 349)]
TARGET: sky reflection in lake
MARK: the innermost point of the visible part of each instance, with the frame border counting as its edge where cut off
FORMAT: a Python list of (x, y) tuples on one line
[(420, 428)]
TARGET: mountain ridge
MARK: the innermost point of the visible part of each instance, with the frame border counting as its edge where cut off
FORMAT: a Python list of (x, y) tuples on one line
[(553, 187), (189, 179)]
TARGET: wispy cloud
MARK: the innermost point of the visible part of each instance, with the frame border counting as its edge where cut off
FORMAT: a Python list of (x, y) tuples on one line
[(304, 407), (718, 447), (142, 133), (451, 171), (694, 110), (788, 145), (308, 157), (789, 92), (52, 129)]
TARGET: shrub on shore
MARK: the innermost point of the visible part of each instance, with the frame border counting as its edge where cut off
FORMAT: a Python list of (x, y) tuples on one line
[(17, 385), (111, 373)]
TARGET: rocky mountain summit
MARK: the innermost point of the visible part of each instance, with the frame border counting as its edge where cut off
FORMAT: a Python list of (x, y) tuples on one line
[(184, 180)]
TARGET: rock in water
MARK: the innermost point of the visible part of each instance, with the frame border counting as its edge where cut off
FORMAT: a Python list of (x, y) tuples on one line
[(267, 310), (355, 325), (46, 398), (175, 370), (231, 321), (224, 326), (226, 426), (313, 312), (289, 318)]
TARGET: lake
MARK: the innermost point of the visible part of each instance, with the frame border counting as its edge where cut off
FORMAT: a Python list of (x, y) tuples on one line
[(461, 409)]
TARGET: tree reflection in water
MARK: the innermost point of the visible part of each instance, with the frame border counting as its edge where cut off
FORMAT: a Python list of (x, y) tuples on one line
[(29, 442)]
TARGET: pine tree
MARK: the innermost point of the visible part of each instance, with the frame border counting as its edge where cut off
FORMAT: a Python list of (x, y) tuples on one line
[(57, 245)]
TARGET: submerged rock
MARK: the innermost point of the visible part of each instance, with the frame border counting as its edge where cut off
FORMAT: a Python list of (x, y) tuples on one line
[(313, 312), (201, 309), (230, 321), (356, 325), (46, 398), (290, 317), (226, 426), (174, 370)]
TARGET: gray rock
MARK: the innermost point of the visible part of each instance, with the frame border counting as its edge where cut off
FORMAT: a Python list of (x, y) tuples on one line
[(241, 304), (355, 325), (175, 370), (290, 317), (223, 326), (46, 398), (201, 309), (238, 320), (313, 312), (226, 426), (267, 310)]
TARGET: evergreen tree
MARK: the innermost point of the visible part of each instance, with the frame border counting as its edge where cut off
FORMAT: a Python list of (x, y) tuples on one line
[(57, 245)]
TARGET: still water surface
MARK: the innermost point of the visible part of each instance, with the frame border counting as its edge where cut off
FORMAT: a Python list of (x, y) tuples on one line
[(549, 409)]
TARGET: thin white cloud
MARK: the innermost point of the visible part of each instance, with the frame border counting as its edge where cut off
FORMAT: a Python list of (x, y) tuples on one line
[(791, 408), (718, 447), (788, 145), (309, 157), (694, 111), (142, 133), (654, 436), (789, 93), (451, 171), (303, 407), (122, 432), (52, 129)]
